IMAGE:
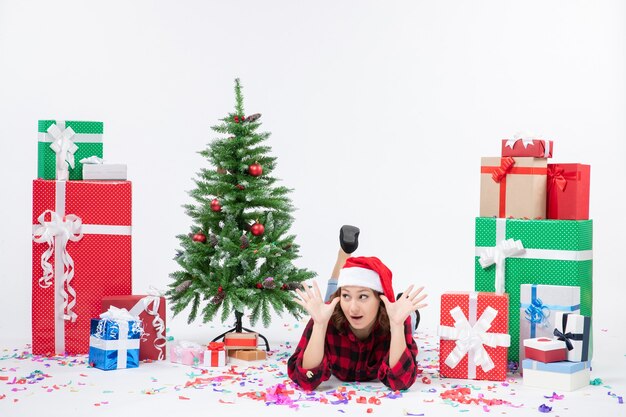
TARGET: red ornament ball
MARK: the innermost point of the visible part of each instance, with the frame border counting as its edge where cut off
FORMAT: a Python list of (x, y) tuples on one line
[(236, 118), (259, 285), (220, 289), (215, 205), (241, 187), (283, 287), (255, 169), (257, 229), (199, 237)]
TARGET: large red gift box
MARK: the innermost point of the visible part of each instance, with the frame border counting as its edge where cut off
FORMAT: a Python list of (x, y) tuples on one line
[(151, 312), (474, 335), (568, 191), (81, 253), (537, 148)]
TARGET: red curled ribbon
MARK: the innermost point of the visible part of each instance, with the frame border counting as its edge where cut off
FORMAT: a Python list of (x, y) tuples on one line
[(216, 346)]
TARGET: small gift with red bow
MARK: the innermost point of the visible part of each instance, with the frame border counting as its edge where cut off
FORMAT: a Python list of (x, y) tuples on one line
[(215, 354), (568, 191)]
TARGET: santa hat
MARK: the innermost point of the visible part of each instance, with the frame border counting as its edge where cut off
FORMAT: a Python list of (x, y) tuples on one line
[(367, 272)]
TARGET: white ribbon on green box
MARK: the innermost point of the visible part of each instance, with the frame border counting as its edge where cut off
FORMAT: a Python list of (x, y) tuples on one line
[(61, 142), (56, 233), (508, 250)]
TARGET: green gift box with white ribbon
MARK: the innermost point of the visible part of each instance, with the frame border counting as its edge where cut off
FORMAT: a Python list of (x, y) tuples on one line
[(62, 144), (512, 252)]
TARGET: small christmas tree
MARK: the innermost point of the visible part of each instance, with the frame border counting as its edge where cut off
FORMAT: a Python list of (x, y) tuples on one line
[(239, 254)]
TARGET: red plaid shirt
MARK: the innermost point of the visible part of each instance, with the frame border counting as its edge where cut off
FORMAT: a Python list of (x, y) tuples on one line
[(351, 359)]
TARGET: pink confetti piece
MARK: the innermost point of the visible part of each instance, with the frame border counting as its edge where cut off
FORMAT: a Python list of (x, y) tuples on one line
[(180, 397)]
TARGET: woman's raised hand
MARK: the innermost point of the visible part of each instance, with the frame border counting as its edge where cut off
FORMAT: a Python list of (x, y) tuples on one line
[(403, 307), (311, 300)]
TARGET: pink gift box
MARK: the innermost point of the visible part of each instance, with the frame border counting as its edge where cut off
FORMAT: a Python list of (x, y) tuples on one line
[(187, 353)]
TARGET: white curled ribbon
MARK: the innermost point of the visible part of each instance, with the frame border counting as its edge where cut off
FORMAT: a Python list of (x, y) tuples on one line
[(526, 140), (498, 255), (150, 304), (64, 148), (59, 230), (471, 340)]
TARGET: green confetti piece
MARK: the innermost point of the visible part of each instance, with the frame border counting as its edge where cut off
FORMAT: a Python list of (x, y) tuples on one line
[(596, 381)]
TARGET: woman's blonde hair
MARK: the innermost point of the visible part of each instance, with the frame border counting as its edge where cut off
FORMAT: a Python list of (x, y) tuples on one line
[(339, 319)]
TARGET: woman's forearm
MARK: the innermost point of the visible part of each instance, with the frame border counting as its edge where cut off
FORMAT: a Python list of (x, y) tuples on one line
[(397, 346), (314, 352)]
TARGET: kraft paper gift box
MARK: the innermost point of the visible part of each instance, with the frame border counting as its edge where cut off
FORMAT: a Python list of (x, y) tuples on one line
[(513, 187), (575, 331), (151, 311), (236, 340), (81, 253), (114, 340), (473, 331), (104, 171), (559, 376), (248, 355), (538, 307), (554, 252), (187, 353), (215, 355), (545, 350), (568, 191), (60, 141), (536, 148)]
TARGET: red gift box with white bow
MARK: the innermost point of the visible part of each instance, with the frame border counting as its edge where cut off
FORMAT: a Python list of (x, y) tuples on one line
[(522, 146), (151, 311), (81, 252), (474, 335)]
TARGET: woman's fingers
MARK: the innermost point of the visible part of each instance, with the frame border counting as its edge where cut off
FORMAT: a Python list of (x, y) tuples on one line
[(420, 298), (407, 292), (302, 295), (317, 290), (416, 293)]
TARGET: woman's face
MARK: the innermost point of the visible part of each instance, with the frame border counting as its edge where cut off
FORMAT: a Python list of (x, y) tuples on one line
[(360, 306)]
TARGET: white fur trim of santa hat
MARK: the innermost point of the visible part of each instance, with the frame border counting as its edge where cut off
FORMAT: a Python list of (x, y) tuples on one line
[(361, 277)]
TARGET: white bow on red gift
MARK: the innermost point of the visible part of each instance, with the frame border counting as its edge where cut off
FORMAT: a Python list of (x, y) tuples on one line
[(471, 340), (59, 229)]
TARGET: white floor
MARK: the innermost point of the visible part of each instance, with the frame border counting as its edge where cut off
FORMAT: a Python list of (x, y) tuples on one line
[(67, 387)]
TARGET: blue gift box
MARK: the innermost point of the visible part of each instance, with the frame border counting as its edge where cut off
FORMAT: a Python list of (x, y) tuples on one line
[(563, 367), (114, 344)]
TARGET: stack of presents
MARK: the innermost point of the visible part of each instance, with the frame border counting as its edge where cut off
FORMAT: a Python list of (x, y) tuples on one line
[(82, 300), (533, 274)]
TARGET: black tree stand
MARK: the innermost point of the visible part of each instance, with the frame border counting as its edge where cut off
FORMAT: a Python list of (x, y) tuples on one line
[(239, 329)]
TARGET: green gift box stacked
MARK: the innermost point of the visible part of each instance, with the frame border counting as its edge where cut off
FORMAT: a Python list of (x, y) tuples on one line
[(556, 252), (87, 137)]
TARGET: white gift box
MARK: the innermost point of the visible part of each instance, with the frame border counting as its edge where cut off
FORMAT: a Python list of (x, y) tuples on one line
[(577, 329), (559, 376), (215, 358), (538, 307), (104, 172)]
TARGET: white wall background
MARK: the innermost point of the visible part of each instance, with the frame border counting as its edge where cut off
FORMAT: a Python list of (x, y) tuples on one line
[(379, 113)]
